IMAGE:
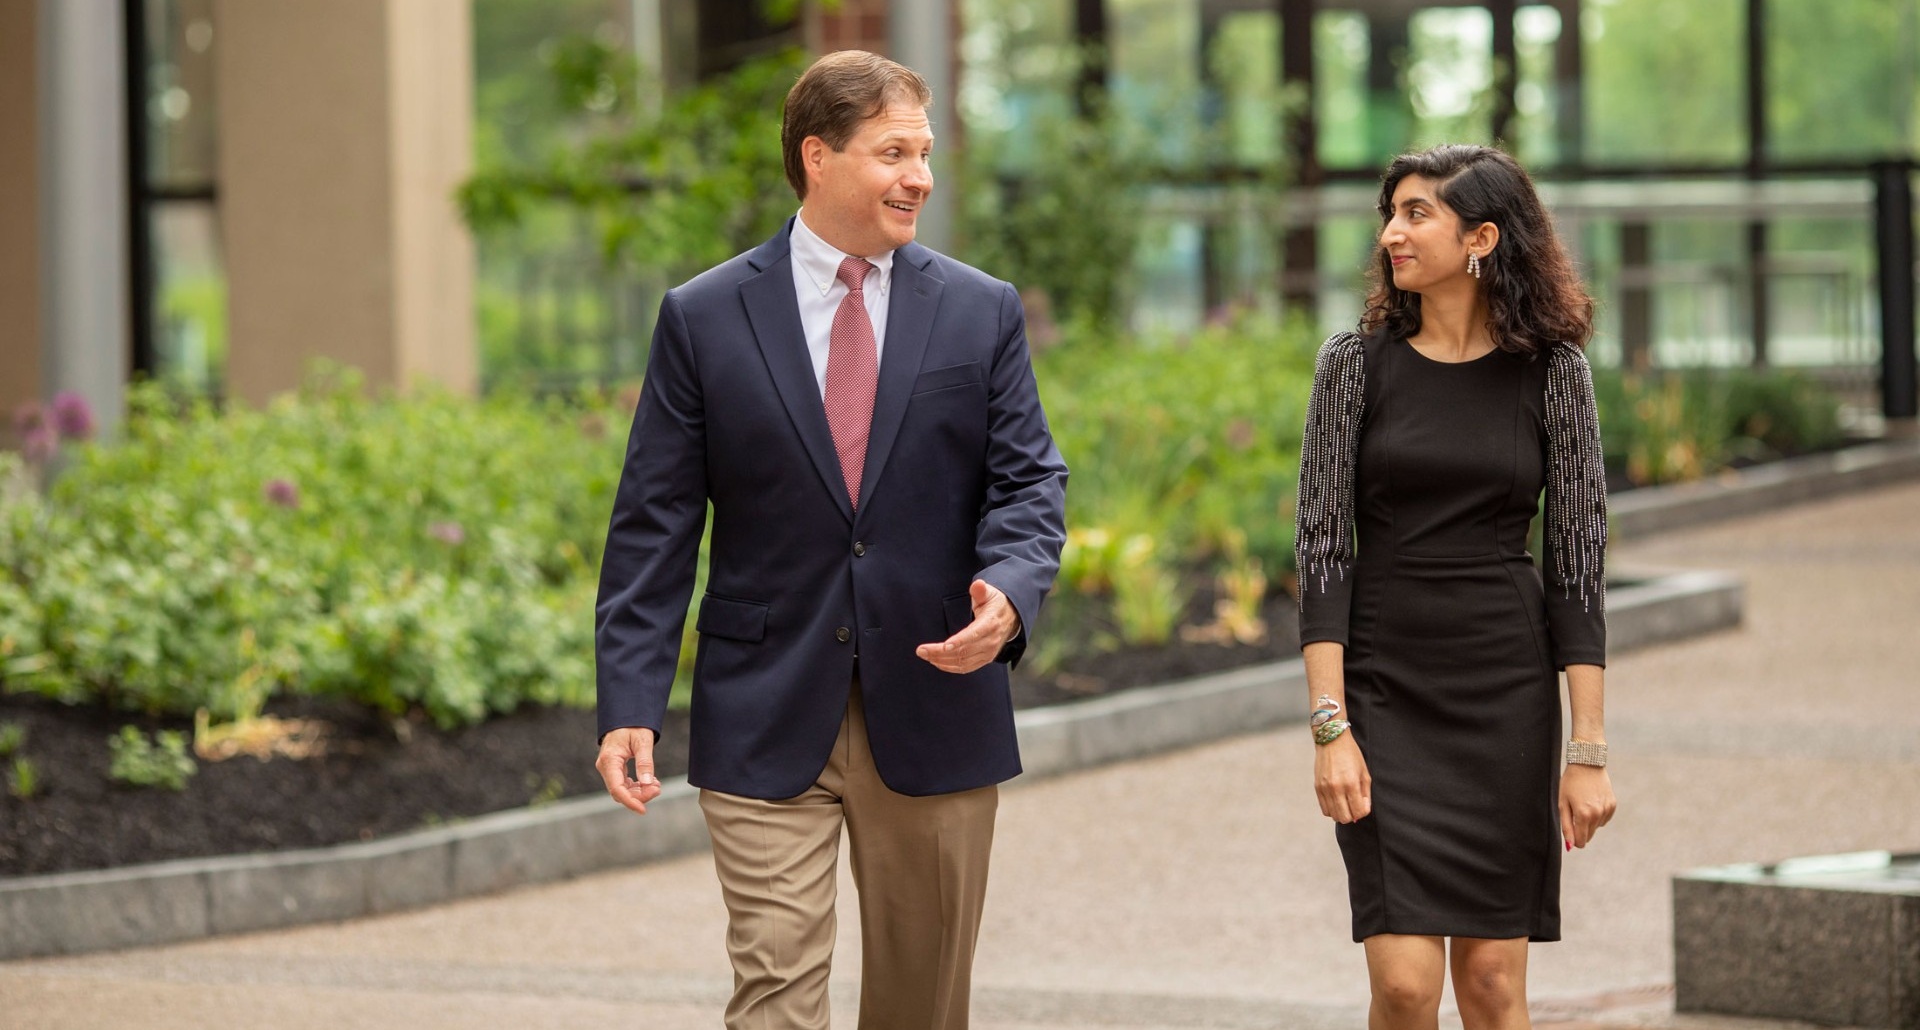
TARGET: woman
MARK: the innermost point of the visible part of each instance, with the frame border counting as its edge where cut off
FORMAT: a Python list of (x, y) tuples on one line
[(1432, 645)]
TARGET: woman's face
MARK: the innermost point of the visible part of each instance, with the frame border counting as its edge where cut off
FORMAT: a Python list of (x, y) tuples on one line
[(1422, 238)]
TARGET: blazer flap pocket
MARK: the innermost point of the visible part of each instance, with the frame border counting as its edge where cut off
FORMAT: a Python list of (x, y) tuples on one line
[(735, 620), (950, 376), (959, 612)]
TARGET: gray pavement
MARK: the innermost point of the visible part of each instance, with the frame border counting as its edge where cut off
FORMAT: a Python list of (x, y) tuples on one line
[(1199, 888)]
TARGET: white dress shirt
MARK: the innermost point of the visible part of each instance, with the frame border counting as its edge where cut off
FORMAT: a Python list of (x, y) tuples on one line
[(816, 281)]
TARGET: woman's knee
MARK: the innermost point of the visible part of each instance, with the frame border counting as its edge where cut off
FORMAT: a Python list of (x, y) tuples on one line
[(1490, 981), (1406, 990)]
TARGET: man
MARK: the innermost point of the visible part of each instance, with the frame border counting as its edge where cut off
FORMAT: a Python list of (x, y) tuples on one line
[(861, 414)]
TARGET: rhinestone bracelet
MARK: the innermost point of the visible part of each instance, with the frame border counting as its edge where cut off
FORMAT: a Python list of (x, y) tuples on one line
[(1586, 752)]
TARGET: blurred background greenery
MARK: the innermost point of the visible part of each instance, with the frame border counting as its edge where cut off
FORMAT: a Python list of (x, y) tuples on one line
[(439, 552)]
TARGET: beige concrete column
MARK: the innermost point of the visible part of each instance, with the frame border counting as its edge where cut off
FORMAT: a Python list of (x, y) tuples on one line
[(20, 364), (345, 127)]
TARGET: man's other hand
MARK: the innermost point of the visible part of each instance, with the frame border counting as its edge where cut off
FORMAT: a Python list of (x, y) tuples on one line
[(994, 623), (629, 743)]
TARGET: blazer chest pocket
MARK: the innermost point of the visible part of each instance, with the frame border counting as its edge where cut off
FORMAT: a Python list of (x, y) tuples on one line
[(733, 619), (959, 612), (947, 378)]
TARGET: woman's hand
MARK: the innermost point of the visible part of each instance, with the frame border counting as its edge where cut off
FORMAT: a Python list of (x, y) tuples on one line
[(1586, 803), (1341, 780)]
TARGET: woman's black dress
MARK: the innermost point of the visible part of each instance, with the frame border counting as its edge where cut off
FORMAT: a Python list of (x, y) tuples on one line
[(1418, 482)]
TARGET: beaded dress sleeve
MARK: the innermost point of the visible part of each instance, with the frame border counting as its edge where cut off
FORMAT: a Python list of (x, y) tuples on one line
[(1576, 514), (1323, 541)]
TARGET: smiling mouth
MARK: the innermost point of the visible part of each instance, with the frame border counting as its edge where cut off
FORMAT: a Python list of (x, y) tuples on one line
[(898, 205)]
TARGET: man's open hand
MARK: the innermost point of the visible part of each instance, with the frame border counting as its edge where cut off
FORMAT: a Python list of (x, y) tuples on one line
[(629, 743), (994, 623)]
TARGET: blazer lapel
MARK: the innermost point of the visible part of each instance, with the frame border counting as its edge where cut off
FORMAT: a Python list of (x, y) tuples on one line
[(774, 313), (910, 311)]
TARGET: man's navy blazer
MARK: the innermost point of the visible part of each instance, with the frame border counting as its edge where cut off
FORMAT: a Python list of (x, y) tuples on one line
[(962, 481)]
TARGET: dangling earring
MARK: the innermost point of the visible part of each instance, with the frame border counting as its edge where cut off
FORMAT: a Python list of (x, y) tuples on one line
[(1473, 264)]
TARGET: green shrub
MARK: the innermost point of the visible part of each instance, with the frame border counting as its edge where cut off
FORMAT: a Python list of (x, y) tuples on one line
[(1671, 426), (161, 762), (436, 552), (1193, 442), (440, 554), (12, 736)]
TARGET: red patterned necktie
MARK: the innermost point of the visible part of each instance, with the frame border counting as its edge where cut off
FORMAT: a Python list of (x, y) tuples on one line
[(853, 371)]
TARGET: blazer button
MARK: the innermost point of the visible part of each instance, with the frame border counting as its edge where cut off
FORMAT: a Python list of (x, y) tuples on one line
[(843, 634), (859, 549)]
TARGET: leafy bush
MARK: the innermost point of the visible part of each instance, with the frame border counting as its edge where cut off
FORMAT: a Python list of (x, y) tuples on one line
[(1066, 225), (435, 552), (160, 762), (1184, 454), (1670, 426), (679, 185), (440, 554)]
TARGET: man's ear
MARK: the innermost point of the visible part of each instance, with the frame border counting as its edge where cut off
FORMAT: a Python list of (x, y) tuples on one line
[(813, 156)]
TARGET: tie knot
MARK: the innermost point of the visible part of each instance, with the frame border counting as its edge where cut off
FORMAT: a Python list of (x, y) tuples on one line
[(853, 272)]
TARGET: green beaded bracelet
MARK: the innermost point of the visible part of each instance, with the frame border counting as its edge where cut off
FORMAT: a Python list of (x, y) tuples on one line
[(1328, 732)]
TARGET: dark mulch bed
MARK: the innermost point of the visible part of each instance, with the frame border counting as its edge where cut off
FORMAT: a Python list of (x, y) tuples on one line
[(379, 777)]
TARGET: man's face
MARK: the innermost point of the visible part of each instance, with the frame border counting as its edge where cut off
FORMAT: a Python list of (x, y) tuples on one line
[(866, 198)]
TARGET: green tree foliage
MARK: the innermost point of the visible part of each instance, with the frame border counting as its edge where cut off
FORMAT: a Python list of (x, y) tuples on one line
[(518, 114), (1066, 225), (1843, 77), (678, 185), (1665, 81)]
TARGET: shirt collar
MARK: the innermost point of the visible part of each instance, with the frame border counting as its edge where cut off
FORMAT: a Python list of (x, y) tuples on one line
[(820, 261)]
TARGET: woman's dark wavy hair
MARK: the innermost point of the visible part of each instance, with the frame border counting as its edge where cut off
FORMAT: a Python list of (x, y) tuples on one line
[(1533, 294)]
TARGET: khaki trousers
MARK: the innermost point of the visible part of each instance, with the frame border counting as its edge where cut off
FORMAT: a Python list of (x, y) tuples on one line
[(919, 864)]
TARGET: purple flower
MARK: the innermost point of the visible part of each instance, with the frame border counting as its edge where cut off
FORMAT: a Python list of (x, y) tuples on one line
[(448, 533), (283, 493), (73, 416), (39, 444)]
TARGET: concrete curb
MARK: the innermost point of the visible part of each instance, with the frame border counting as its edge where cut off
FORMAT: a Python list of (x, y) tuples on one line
[(137, 906)]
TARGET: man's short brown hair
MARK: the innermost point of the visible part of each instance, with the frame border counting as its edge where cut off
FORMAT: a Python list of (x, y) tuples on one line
[(835, 95)]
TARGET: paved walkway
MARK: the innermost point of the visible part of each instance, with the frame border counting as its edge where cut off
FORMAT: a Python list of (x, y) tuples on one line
[(1195, 889)]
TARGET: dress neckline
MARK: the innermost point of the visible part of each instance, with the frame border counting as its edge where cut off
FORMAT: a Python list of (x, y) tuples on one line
[(1436, 361)]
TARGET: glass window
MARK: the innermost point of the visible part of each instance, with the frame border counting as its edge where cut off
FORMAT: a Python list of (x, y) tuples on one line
[(184, 297), (1450, 76), (1537, 95), (1171, 296), (1019, 73), (180, 109), (1699, 293), (189, 315), (1245, 59), (1637, 55), (1155, 75), (1341, 106), (1821, 281), (1841, 78)]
